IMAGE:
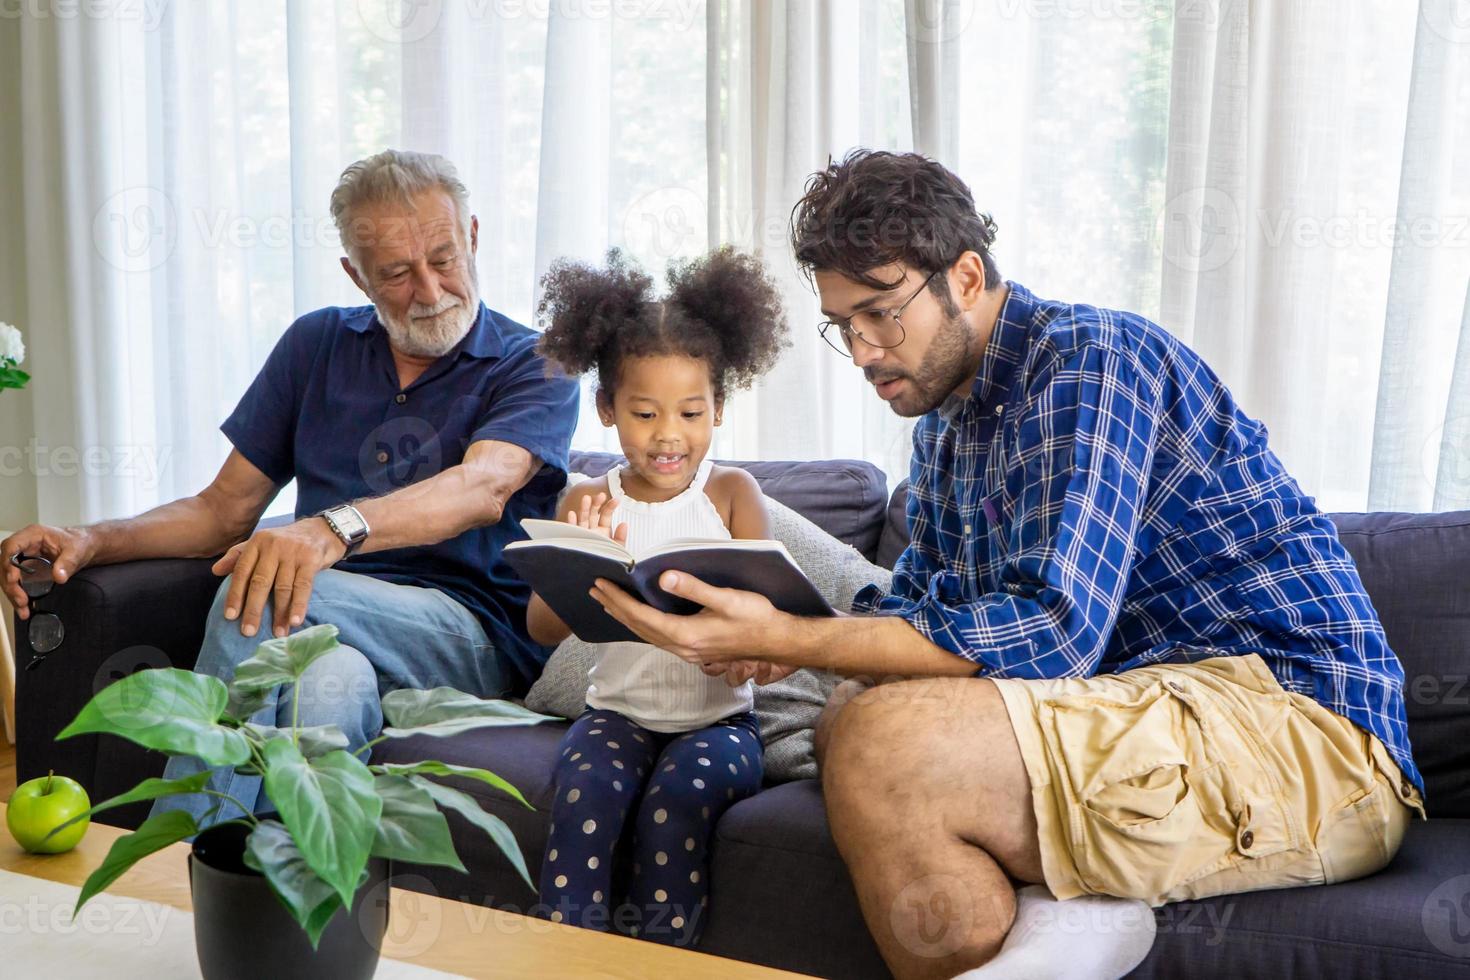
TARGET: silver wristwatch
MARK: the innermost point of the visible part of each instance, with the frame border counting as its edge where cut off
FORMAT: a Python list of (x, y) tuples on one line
[(347, 524)]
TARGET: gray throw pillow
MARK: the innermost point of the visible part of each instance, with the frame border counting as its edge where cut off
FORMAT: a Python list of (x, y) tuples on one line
[(786, 710)]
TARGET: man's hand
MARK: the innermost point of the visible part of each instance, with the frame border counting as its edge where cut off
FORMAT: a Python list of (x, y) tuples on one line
[(279, 564), (731, 626), (69, 549)]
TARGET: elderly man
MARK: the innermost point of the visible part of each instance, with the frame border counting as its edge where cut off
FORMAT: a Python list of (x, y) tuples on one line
[(420, 430), (1148, 668)]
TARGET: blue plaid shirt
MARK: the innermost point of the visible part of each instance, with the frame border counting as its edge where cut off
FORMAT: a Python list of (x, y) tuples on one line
[(1098, 502)]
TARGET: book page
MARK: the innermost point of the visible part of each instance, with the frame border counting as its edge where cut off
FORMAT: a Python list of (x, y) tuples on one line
[(569, 535), (715, 544)]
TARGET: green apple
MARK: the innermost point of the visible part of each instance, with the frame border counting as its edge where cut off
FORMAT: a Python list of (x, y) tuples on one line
[(43, 803)]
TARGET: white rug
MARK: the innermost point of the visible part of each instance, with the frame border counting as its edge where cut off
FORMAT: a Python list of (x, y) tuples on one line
[(115, 937)]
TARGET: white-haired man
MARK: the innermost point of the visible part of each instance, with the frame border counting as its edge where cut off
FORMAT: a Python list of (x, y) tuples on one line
[(420, 431)]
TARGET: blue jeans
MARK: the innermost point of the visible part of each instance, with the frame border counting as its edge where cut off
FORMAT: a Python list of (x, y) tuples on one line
[(392, 636)]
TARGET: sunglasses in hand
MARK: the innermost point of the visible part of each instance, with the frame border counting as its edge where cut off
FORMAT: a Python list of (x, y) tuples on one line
[(45, 631)]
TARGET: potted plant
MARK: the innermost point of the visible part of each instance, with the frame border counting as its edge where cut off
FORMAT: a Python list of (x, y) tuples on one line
[(340, 819), (12, 352)]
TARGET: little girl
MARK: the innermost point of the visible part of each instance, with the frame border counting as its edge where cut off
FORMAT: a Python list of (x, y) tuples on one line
[(662, 749)]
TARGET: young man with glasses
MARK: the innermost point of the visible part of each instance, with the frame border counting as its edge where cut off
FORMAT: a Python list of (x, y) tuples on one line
[(1147, 667)]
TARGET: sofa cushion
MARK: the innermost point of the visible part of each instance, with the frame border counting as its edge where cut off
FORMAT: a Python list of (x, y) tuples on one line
[(522, 755), (1408, 920), (778, 877), (1413, 566), (895, 536), (844, 497)]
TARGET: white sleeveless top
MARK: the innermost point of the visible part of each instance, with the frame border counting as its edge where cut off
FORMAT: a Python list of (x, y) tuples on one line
[(651, 686)]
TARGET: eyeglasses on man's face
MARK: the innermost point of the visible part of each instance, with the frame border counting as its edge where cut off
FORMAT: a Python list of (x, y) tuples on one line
[(874, 326)]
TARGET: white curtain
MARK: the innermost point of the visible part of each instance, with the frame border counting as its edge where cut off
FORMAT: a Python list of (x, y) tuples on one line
[(1285, 185), (1421, 432), (802, 82), (1315, 234)]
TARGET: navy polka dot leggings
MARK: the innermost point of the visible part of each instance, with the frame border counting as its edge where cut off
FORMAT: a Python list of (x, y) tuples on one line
[(674, 786)]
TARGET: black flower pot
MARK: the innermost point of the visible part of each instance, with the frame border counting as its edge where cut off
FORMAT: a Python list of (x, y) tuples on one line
[(241, 930)]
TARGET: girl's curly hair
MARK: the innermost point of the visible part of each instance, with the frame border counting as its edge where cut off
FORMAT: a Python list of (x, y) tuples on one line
[(722, 309)]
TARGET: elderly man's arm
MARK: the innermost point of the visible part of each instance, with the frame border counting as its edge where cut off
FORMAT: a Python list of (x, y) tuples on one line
[(194, 527), (280, 564), (472, 494)]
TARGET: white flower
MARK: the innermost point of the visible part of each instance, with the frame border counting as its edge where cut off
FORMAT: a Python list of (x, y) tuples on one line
[(12, 345)]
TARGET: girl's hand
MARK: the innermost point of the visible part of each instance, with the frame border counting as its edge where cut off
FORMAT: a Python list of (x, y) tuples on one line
[(595, 514)]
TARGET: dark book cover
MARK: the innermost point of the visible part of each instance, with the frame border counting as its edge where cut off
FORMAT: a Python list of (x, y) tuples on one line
[(563, 577)]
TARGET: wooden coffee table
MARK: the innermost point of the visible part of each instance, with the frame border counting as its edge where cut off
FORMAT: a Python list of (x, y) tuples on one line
[(433, 932)]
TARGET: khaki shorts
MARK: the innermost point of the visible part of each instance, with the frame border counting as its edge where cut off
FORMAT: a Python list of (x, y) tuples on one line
[(1179, 781)]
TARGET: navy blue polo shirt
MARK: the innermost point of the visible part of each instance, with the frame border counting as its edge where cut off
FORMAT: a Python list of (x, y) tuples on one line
[(326, 410)]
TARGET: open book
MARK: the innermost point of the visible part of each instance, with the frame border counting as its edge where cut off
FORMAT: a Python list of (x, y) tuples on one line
[(562, 561)]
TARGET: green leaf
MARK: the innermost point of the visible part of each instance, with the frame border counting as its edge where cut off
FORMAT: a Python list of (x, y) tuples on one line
[(311, 901), (466, 806), (283, 659), (154, 834), (331, 808), (164, 708), (12, 377), (243, 705), (412, 828), (447, 769), (313, 740), (444, 711), (148, 789)]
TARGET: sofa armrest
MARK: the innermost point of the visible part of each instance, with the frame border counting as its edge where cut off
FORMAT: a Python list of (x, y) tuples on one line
[(118, 619)]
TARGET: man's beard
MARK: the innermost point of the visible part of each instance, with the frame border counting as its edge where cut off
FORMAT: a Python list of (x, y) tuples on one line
[(432, 331), (946, 366)]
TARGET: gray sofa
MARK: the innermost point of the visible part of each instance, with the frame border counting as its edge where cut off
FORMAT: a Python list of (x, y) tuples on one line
[(780, 895)]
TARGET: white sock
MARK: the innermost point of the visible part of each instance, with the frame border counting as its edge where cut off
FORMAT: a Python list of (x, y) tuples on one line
[(1094, 937)]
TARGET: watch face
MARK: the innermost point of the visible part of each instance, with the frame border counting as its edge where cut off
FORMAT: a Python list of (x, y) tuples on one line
[(348, 522)]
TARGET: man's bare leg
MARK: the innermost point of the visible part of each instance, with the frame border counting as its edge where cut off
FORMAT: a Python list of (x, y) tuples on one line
[(930, 806)]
